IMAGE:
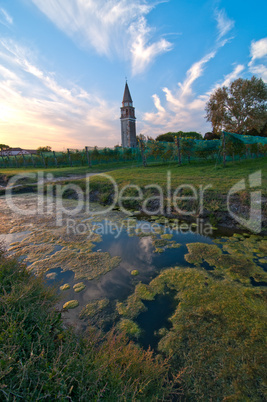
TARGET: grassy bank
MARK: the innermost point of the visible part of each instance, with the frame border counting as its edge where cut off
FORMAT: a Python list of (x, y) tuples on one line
[(220, 178), (198, 173), (40, 360), (216, 179)]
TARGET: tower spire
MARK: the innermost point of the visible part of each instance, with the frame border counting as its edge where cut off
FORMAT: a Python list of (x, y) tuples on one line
[(127, 96), (128, 129)]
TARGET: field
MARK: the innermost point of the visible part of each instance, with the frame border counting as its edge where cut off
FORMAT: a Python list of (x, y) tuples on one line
[(221, 178)]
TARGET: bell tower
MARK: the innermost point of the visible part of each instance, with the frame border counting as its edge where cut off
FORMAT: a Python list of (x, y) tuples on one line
[(128, 128)]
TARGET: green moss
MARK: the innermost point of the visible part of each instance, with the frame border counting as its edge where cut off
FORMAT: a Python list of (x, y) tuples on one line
[(51, 275), (131, 307), (78, 287), (130, 328), (159, 243), (238, 235), (143, 292), (173, 244), (199, 252), (166, 236), (134, 272), (159, 250), (93, 308), (214, 327), (65, 286), (71, 304)]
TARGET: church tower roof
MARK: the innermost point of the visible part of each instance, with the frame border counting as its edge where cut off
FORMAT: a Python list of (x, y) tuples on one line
[(127, 96)]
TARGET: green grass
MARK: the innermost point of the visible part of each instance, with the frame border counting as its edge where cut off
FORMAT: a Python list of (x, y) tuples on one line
[(40, 360), (218, 333), (67, 171), (196, 173), (202, 173)]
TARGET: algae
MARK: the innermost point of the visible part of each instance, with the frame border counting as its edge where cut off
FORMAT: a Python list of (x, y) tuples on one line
[(130, 328), (78, 287), (94, 308), (134, 272), (71, 304), (66, 286)]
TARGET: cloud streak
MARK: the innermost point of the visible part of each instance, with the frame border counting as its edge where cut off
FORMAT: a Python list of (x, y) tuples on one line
[(258, 53), (182, 110), (109, 27), (224, 24), (5, 18)]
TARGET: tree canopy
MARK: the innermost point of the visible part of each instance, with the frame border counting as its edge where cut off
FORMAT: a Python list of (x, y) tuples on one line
[(239, 108), (4, 146), (44, 149), (169, 137)]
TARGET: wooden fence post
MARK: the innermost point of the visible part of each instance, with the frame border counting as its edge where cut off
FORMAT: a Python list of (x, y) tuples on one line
[(69, 157), (177, 142), (55, 158), (9, 161), (33, 163), (24, 160), (88, 157), (224, 151), (142, 148), (43, 159), (4, 161)]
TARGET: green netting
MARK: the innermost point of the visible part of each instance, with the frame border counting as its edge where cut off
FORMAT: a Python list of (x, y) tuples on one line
[(247, 139), (189, 149)]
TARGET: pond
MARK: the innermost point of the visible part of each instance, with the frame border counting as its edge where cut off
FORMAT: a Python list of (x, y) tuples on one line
[(98, 260)]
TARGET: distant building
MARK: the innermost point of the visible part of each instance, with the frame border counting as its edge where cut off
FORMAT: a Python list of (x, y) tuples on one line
[(128, 128), (17, 152)]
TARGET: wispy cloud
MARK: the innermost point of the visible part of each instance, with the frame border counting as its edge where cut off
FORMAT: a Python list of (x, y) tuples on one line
[(193, 73), (258, 49), (232, 76), (258, 62), (109, 27), (183, 110), (143, 53), (5, 18), (35, 109), (224, 24)]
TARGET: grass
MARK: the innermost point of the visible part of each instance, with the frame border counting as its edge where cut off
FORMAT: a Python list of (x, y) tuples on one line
[(40, 360), (67, 171), (221, 179), (196, 173), (217, 336)]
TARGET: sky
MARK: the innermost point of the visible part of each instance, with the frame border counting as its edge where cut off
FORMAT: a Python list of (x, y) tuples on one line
[(63, 65)]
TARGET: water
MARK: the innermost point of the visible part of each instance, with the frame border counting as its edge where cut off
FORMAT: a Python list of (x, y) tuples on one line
[(136, 252), (155, 318)]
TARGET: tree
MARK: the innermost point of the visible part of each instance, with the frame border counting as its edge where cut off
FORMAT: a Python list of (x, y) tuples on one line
[(240, 107), (212, 136), (3, 146), (169, 137), (44, 149)]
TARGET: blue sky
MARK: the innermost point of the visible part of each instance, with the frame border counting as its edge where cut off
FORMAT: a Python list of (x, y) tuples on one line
[(63, 65)]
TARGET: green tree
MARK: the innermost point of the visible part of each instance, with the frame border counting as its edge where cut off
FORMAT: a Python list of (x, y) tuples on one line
[(169, 137), (240, 107), (44, 149), (3, 146)]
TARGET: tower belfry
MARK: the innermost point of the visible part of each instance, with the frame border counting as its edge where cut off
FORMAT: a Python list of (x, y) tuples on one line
[(128, 129)]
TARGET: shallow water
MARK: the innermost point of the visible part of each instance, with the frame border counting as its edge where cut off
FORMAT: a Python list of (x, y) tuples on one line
[(65, 258)]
